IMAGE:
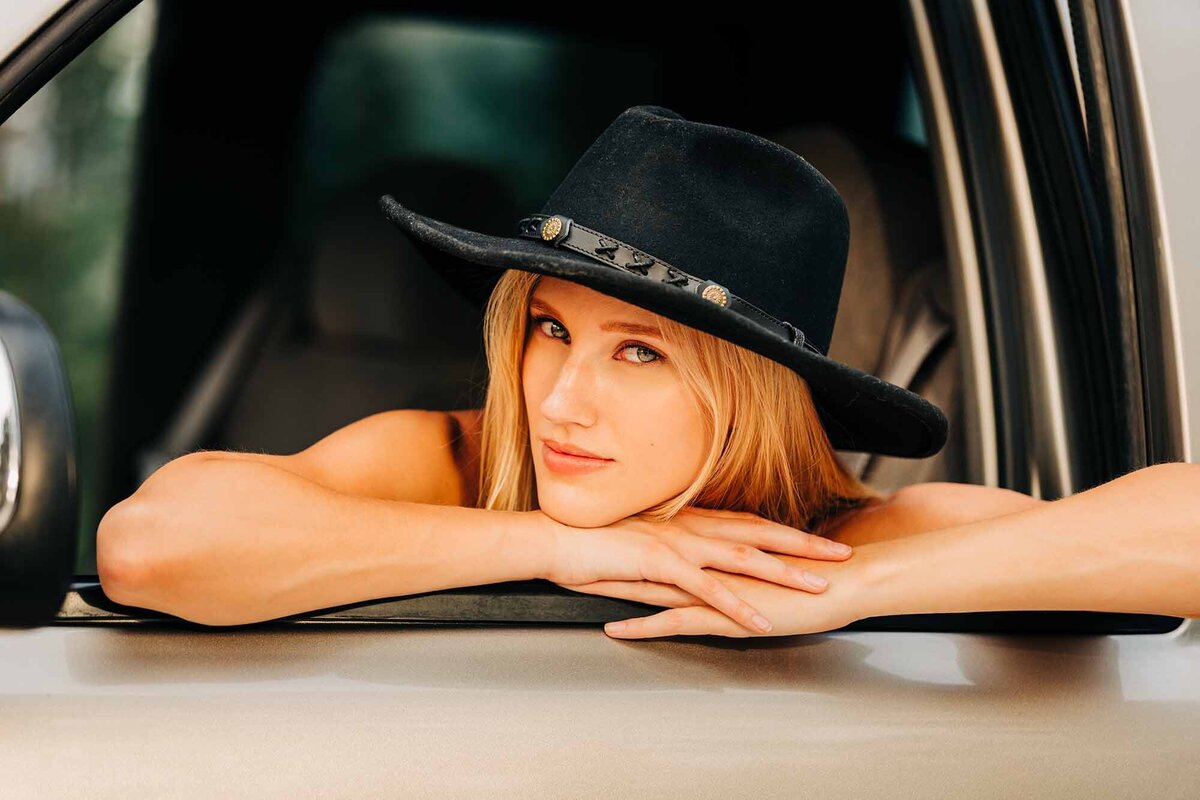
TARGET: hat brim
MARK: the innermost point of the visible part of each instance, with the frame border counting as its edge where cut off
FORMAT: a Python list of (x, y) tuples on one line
[(861, 412)]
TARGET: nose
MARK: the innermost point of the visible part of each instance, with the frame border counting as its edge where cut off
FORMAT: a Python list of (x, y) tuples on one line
[(572, 397)]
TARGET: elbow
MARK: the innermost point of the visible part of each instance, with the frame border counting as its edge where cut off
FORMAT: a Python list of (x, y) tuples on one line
[(138, 567), (134, 538), (125, 558), (167, 547)]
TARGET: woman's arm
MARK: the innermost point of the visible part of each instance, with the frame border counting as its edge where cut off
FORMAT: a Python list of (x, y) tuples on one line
[(230, 541), (1129, 545), (226, 541)]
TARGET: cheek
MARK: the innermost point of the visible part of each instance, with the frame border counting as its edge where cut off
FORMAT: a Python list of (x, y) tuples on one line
[(534, 371), (668, 432)]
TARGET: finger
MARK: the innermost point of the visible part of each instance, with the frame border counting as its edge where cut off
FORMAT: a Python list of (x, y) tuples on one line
[(747, 560), (676, 622), (747, 528), (671, 568), (658, 594)]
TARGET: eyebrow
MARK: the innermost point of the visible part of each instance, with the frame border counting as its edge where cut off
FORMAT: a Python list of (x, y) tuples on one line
[(612, 325)]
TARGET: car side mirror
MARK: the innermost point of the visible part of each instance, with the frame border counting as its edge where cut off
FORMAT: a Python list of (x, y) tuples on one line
[(39, 502)]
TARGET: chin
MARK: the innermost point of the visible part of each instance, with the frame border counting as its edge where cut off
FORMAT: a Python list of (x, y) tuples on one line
[(582, 512), (580, 517)]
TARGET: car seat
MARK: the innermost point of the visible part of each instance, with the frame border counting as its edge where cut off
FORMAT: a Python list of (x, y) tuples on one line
[(362, 325)]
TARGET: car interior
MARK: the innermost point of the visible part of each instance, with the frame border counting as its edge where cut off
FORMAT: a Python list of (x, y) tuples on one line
[(307, 310)]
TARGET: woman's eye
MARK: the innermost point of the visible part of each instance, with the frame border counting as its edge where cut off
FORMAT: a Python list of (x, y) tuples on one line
[(640, 350), (538, 321)]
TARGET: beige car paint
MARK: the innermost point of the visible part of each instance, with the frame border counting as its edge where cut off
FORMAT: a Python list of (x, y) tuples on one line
[(321, 710)]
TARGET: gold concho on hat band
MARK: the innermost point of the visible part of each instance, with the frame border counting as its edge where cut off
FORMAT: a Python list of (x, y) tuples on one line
[(715, 294), (551, 228)]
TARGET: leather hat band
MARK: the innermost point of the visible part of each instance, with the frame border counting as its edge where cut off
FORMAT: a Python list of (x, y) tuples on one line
[(561, 231)]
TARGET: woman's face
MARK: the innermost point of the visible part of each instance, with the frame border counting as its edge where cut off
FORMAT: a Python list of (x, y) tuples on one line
[(598, 378)]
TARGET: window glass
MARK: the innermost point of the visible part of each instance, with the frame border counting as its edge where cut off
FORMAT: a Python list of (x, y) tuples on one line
[(66, 162)]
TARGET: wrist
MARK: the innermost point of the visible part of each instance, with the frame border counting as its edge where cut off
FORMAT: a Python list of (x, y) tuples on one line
[(930, 572), (533, 535), (870, 572)]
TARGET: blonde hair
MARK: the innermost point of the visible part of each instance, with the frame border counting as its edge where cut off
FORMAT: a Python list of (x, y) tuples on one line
[(772, 456)]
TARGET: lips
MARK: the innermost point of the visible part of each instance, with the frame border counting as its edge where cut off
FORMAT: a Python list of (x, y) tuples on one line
[(572, 450)]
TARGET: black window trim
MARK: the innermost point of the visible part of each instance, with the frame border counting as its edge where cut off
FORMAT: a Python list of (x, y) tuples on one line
[(542, 603), (1125, 180)]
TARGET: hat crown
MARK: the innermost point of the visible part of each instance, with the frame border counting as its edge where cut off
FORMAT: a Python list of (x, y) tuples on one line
[(721, 204)]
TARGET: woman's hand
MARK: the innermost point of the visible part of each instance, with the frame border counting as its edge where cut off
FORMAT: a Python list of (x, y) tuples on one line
[(792, 611), (674, 554)]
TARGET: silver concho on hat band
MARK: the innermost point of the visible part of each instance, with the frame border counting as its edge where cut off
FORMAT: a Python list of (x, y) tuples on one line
[(562, 231)]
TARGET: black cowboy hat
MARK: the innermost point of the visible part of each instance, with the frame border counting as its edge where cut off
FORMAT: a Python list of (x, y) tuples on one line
[(761, 234)]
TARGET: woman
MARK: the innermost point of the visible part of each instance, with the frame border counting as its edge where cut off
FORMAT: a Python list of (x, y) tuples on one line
[(711, 423), (390, 505)]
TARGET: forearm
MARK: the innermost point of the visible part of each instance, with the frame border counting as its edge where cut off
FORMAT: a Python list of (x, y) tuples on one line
[(230, 542), (1130, 545)]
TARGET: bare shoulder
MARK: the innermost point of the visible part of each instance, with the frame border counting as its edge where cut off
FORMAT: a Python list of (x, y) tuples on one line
[(401, 454), (928, 506), (959, 501)]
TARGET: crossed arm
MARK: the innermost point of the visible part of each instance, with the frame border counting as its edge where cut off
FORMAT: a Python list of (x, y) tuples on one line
[(1129, 545)]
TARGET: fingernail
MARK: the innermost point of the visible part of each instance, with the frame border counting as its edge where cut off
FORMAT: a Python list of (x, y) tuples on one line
[(815, 580), (761, 623), (837, 548), (615, 627)]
